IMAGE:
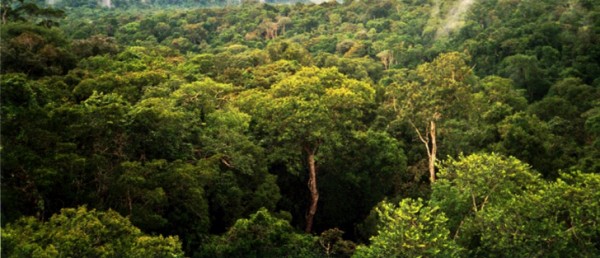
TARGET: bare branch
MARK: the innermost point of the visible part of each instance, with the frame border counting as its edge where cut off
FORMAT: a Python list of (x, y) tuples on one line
[(226, 163), (425, 141), (474, 202)]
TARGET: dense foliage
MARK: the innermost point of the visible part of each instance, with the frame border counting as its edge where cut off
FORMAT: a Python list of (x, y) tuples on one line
[(82, 233), (388, 128)]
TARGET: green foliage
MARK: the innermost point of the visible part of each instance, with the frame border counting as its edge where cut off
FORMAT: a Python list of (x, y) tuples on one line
[(592, 127), (35, 50), (202, 97), (435, 94), (334, 245), (410, 229), (529, 139), (497, 205), (157, 130), (526, 73), (468, 185), (312, 108), (164, 197), (500, 99), (94, 46), (559, 219), (187, 120), (289, 51), (269, 74), (26, 140), (82, 233), (261, 235), (369, 167)]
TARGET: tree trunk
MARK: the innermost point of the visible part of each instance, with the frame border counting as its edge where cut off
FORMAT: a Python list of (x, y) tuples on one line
[(314, 192), (433, 152), (4, 13)]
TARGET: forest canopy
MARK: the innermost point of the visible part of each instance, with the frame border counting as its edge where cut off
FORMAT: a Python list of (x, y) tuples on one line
[(356, 128)]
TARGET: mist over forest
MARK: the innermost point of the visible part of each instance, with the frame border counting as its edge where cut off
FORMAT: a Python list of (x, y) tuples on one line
[(296, 128)]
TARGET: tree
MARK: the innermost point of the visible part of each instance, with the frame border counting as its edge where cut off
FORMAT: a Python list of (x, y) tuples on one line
[(164, 197), (282, 22), (363, 68), (470, 184), (558, 219), (497, 205), (261, 235), (235, 178), (334, 245), (498, 99), (387, 58), (241, 183), (79, 232), (307, 113), (440, 89), (524, 70), (95, 45), (289, 50), (529, 139), (266, 75), (156, 130), (26, 140), (411, 229), (379, 172), (35, 50), (270, 29)]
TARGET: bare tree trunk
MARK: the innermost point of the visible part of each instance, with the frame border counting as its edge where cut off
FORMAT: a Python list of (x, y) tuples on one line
[(433, 152), (314, 192), (129, 203), (4, 13)]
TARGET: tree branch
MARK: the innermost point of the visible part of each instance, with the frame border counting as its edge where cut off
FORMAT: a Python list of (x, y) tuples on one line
[(426, 142)]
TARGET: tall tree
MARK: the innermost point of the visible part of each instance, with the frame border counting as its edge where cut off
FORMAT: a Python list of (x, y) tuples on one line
[(433, 91), (308, 113)]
